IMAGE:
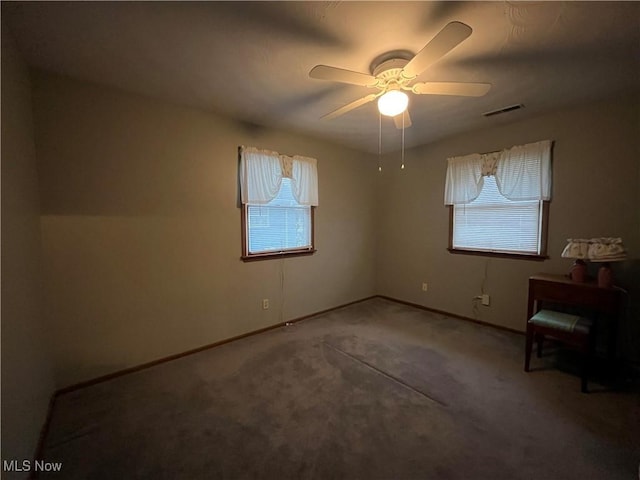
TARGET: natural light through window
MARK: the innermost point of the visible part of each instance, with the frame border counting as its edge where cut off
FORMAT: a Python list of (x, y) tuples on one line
[(280, 225), (279, 194), (493, 223)]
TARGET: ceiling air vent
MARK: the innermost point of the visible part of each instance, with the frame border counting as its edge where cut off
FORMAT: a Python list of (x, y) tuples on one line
[(503, 110)]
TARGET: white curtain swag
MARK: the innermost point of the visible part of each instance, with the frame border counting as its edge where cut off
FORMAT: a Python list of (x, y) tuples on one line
[(464, 179), (260, 176), (304, 180), (261, 173), (522, 173)]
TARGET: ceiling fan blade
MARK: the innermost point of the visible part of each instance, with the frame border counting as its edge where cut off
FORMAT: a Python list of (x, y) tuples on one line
[(351, 106), (398, 120), (324, 72), (451, 88), (446, 40)]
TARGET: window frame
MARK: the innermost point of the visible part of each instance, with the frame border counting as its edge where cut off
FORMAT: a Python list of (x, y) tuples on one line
[(248, 257), (544, 229)]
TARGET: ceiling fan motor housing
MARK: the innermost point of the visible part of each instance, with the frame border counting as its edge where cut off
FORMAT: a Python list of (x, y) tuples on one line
[(389, 75), (390, 68)]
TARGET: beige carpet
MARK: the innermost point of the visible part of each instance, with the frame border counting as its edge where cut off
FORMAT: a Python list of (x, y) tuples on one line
[(377, 390)]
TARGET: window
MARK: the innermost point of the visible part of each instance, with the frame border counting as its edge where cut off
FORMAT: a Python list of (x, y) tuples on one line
[(499, 202), (493, 223), (279, 195), (281, 225)]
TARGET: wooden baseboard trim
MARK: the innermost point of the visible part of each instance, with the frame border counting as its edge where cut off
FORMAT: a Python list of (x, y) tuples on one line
[(322, 312), (44, 431), (153, 363), (454, 315)]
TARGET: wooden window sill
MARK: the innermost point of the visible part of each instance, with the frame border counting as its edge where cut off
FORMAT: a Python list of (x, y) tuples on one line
[(272, 255), (487, 253)]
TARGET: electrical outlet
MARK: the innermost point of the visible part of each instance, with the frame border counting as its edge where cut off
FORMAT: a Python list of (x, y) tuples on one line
[(265, 303), (425, 286), (485, 300)]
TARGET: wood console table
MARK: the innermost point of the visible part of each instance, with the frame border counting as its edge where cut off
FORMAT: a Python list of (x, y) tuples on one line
[(603, 302)]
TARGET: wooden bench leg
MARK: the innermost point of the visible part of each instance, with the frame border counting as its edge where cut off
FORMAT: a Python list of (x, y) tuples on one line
[(588, 360), (527, 349), (585, 373)]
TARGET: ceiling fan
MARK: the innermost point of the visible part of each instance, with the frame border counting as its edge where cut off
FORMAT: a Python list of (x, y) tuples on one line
[(393, 73)]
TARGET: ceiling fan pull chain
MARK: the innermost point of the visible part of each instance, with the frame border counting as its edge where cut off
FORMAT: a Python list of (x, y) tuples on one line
[(402, 166), (379, 142)]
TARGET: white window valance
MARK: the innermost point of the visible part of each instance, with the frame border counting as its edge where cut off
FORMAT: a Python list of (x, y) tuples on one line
[(522, 173), (261, 173)]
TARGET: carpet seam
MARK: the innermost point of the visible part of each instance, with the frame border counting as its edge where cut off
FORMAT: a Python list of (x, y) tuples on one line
[(385, 374)]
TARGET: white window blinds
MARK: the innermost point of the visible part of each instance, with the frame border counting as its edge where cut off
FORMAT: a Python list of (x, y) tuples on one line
[(279, 225), (493, 223)]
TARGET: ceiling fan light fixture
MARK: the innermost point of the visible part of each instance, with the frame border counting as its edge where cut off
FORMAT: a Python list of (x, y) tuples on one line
[(393, 103)]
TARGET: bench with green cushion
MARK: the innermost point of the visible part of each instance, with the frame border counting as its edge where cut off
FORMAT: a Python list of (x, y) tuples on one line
[(562, 321), (572, 330)]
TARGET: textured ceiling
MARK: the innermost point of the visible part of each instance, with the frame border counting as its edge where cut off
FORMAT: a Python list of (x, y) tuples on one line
[(251, 60)]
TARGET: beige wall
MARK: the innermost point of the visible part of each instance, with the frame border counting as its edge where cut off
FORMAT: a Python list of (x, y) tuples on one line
[(27, 381), (595, 193), (141, 229)]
